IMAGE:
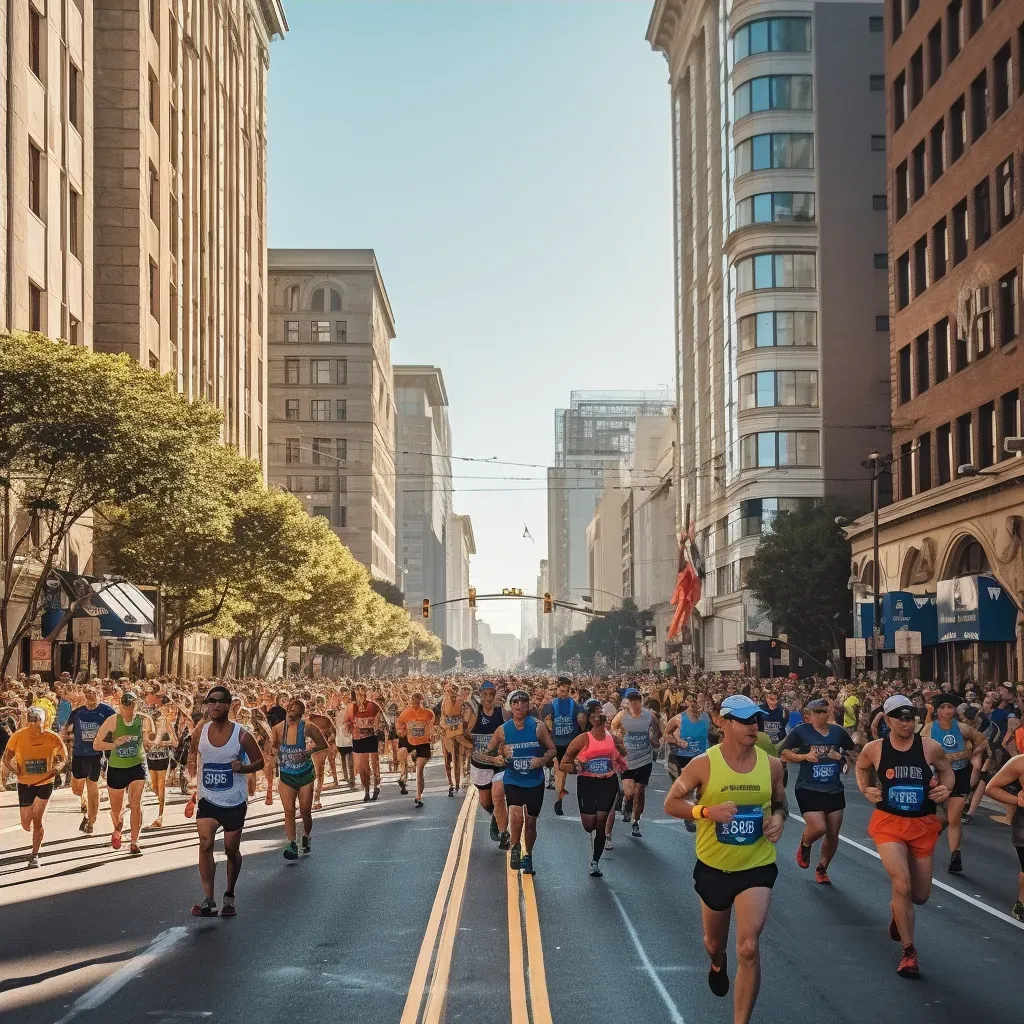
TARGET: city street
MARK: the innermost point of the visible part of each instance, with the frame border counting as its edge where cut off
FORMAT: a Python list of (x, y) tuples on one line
[(405, 916)]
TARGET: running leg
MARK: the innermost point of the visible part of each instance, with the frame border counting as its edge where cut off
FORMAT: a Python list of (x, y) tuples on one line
[(515, 823), (530, 832), (896, 859), (159, 780), (499, 806), (716, 933), (92, 799), (116, 806), (306, 809), (833, 823), (955, 822), (233, 852), (639, 798), (319, 763), (751, 907), (814, 829), (207, 865), (135, 790), (288, 803), (421, 763)]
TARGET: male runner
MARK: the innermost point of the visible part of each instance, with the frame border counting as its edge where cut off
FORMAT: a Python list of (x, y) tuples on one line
[(294, 742), (735, 866), (640, 731), (452, 729), (365, 720), (565, 721), (688, 733), (35, 755), (1007, 786), (819, 747), (904, 825), (481, 723), (216, 753), (86, 763), (317, 716), (526, 748), (775, 716), (414, 727)]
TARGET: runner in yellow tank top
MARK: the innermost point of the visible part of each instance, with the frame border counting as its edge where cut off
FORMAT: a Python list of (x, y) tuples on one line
[(740, 816)]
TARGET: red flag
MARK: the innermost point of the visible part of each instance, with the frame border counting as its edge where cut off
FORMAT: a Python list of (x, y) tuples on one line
[(688, 582)]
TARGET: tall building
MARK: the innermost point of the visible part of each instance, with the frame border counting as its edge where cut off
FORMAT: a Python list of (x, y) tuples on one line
[(423, 450), (778, 122), (591, 436), (544, 619), (460, 623), (46, 179), (331, 406), (180, 196), (953, 75)]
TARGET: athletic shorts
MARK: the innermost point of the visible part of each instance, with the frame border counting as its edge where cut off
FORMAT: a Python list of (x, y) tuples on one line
[(641, 775), (231, 819), (1020, 856), (529, 797), (481, 777), (304, 778), (918, 835), (596, 795), (344, 751), (421, 751), (85, 767), (157, 764), (962, 783), (27, 795), (719, 889), (122, 778), (365, 746), (815, 800)]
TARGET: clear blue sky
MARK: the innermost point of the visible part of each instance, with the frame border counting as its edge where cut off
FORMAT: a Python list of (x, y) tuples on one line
[(510, 163)]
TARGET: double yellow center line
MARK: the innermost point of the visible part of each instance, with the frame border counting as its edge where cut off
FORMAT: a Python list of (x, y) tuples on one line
[(528, 990)]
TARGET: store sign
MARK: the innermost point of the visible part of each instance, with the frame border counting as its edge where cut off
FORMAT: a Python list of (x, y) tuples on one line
[(975, 609), (40, 655), (903, 611), (85, 630)]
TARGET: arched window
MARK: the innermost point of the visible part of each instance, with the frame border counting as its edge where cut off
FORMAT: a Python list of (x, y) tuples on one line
[(335, 301), (318, 301), (291, 297), (968, 559)]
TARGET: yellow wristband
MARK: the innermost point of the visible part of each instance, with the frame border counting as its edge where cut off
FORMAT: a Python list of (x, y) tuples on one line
[(697, 813)]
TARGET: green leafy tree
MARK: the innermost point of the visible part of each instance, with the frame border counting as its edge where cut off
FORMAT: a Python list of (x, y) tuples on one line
[(389, 591), (472, 658), (800, 573), (540, 658)]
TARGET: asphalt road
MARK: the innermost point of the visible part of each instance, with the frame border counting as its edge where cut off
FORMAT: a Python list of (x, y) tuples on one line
[(402, 916)]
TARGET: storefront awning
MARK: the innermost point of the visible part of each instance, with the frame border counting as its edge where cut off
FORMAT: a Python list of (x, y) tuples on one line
[(902, 610), (132, 614), (976, 609)]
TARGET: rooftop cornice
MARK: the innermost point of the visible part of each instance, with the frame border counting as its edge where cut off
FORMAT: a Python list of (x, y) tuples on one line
[(661, 29)]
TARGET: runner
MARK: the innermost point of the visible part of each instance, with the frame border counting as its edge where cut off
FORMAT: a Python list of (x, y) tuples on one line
[(158, 756), (318, 716), (343, 741), (775, 717), (222, 753), (35, 755), (1007, 786), (904, 825), (123, 735), (735, 866), (958, 742), (297, 774), (450, 717), (688, 733), (595, 757), (565, 721), (526, 749), (365, 720), (86, 763), (481, 723), (819, 747), (414, 727), (640, 731)]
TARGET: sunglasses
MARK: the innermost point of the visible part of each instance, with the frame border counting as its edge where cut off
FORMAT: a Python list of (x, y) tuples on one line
[(217, 700), (520, 700), (905, 715)]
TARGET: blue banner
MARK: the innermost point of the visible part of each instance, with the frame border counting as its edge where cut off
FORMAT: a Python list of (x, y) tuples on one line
[(902, 610), (975, 608)]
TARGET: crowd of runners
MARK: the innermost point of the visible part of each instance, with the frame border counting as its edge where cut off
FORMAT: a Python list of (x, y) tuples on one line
[(924, 756)]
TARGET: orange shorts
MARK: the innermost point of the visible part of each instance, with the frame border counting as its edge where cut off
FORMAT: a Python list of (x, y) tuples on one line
[(918, 835)]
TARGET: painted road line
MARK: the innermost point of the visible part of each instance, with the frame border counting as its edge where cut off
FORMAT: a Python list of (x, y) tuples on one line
[(159, 948), (935, 881), (516, 965), (673, 1011), (539, 1005), (421, 973)]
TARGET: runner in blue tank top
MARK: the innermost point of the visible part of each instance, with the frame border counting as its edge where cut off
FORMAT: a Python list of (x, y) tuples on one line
[(565, 721), (297, 774), (687, 734), (523, 747)]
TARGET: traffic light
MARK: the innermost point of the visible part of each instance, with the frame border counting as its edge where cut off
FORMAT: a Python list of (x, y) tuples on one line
[(549, 605), (426, 607), (472, 597), (511, 592)]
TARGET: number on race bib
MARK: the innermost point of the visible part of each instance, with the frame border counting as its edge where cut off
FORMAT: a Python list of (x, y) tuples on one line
[(217, 777), (906, 798), (521, 764), (823, 771), (746, 827), (598, 765)]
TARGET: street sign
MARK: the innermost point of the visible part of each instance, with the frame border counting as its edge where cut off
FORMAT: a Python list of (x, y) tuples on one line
[(907, 641), (85, 629), (890, 659), (856, 647)]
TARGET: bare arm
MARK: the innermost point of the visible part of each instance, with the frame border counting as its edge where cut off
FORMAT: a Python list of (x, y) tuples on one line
[(545, 740), (867, 762), (775, 824), (568, 762), (936, 757), (105, 735), (1012, 771), (695, 774), (320, 744), (252, 752)]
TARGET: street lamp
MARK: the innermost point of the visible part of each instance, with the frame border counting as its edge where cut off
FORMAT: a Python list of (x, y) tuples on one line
[(876, 463)]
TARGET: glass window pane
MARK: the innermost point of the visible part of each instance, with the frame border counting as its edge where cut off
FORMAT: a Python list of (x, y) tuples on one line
[(784, 329), (764, 330), (758, 36), (807, 448), (787, 387), (763, 271), (780, 92), (800, 92), (742, 100), (748, 333), (803, 270), (802, 149), (783, 203), (805, 328), (783, 270), (806, 387), (748, 454), (760, 94), (766, 449), (744, 275), (782, 150), (787, 448), (763, 208), (803, 206), (741, 44), (765, 389), (743, 157), (747, 398), (762, 152)]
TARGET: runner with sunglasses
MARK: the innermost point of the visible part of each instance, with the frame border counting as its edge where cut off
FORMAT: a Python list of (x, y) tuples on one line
[(904, 824)]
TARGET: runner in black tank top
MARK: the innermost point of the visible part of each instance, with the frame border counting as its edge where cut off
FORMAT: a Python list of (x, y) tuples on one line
[(482, 724)]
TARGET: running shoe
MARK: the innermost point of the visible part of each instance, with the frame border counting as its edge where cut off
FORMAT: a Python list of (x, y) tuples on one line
[(135, 850), (33, 861), (718, 978), (451, 791), (366, 797), (636, 833), (228, 910), (558, 807), (291, 851), (505, 841), (689, 825), (909, 967), (417, 803), (515, 857), (88, 828), (83, 823), (208, 908), (894, 931), (307, 844), (955, 863), (608, 843), (495, 832), (402, 788), (803, 856), (966, 819), (821, 875), (1017, 911), (595, 870), (115, 838), (551, 782), (376, 792), (528, 864)]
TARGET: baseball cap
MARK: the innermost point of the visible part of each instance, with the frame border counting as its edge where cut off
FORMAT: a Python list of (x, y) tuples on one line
[(128, 697), (631, 692), (36, 715), (945, 698), (591, 705), (741, 708), (517, 693), (818, 704), (895, 702), (487, 685)]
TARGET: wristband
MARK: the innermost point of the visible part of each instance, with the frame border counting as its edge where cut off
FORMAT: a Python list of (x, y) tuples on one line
[(698, 812)]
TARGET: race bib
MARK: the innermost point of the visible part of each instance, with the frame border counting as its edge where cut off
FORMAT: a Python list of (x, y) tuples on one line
[(88, 731), (692, 748), (959, 765), (217, 777), (637, 740), (746, 827), (480, 741), (598, 766), (522, 764), (563, 726), (824, 771), (37, 766), (906, 798), (417, 729), (130, 749)]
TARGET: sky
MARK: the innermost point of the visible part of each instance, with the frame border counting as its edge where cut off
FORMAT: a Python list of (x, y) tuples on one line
[(509, 161)]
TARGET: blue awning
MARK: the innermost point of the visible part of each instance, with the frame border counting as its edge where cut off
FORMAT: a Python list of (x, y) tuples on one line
[(132, 614), (976, 608)]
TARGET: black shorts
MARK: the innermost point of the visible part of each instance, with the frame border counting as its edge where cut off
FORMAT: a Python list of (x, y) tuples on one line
[(815, 800), (344, 751), (27, 795), (365, 746), (122, 778), (718, 889), (1020, 856), (421, 751), (641, 775), (84, 766), (962, 783), (231, 819), (530, 797), (560, 753), (157, 764), (596, 795)]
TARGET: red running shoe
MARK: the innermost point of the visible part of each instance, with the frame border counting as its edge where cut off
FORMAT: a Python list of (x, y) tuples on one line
[(803, 856), (909, 967), (821, 875)]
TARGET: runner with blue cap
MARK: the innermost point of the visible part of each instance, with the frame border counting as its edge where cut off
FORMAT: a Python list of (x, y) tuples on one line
[(565, 720)]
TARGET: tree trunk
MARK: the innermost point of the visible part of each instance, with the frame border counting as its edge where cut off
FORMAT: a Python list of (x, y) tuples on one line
[(181, 656)]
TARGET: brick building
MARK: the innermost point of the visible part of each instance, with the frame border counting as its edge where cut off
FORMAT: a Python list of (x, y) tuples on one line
[(955, 150)]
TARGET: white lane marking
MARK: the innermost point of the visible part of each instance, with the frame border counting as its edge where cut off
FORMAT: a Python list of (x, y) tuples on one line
[(99, 994), (674, 1015), (942, 885)]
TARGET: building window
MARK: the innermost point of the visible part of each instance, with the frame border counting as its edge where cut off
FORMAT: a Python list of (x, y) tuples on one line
[(924, 463), (777, 35), (987, 435), (319, 371), (321, 511), (935, 54), (903, 281), (964, 440), (881, 261), (903, 377), (322, 484), (342, 328), (779, 207), (776, 270), (977, 12), (74, 224), (1004, 191), (920, 265), (979, 106), (982, 213), (921, 363), (293, 451), (901, 190), (74, 96), (343, 449), (876, 83), (1002, 81), (954, 29), (291, 371), (335, 301), (785, 448), (958, 129), (35, 42), (74, 326), (291, 298), (342, 366), (35, 180), (940, 248), (780, 150), (941, 350), (917, 158), (35, 308), (961, 232), (771, 388), (773, 92), (321, 449), (342, 409), (317, 305), (154, 99), (1009, 308), (944, 453), (154, 23), (1009, 412), (291, 408), (962, 353), (878, 143), (154, 195), (291, 330), (879, 202), (154, 290), (320, 332), (881, 323), (896, 18), (899, 100), (320, 409), (937, 149), (876, 23)]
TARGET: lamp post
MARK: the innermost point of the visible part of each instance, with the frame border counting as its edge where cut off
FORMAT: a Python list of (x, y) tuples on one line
[(876, 626)]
